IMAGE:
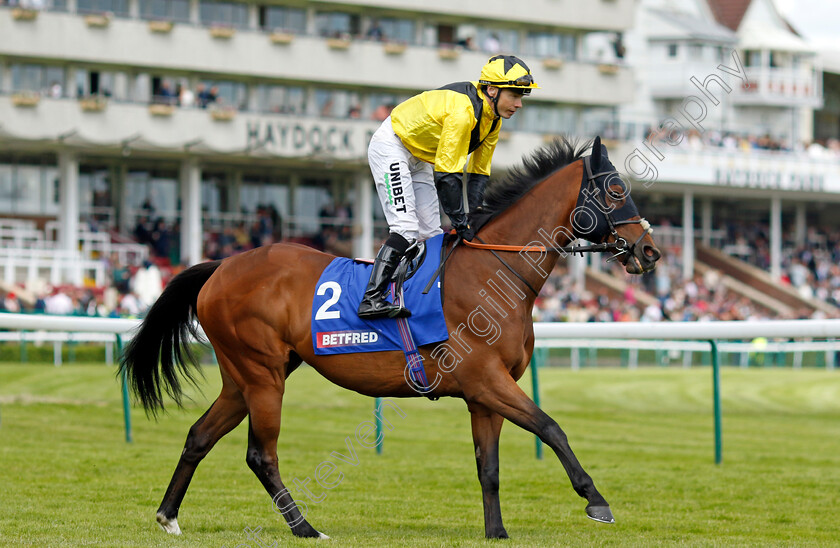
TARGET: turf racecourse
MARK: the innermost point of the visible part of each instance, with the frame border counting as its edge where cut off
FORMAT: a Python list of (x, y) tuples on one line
[(69, 478)]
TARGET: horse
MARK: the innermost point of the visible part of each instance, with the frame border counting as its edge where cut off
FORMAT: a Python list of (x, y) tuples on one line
[(255, 310)]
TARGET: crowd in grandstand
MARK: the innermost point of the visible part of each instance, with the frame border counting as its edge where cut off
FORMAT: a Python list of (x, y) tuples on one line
[(813, 270), (694, 140)]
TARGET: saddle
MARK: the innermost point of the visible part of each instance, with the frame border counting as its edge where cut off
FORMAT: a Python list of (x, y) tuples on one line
[(410, 263)]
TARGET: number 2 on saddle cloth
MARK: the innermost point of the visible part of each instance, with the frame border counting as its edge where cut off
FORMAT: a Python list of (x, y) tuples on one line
[(337, 329)]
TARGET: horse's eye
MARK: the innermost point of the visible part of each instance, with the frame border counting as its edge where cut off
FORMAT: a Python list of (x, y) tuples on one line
[(615, 194)]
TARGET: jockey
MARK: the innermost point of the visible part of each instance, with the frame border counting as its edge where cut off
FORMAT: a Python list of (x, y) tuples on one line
[(417, 157)]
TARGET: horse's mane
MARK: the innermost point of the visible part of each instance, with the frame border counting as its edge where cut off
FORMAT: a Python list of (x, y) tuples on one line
[(519, 180)]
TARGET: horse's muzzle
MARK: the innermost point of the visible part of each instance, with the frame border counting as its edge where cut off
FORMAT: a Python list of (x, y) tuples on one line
[(641, 258)]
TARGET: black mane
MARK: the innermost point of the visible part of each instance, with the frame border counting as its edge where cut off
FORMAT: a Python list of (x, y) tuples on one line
[(540, 164)]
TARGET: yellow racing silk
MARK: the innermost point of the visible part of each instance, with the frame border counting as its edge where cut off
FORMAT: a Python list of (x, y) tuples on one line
[(443, 126)]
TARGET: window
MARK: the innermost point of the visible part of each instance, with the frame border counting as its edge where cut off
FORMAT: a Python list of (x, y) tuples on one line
[(117, 7), (752, 58), (336, 103), (673, 49), (547, 44), (170, 10), (232, 14), (335, 24), (153, 193), (379, 105), (94, 82), (224, 93), (95, 194), (28, 188), (213, 192), (259, 191), (282, 18), (281, 99), (497, 40), (546, 119), (310, 198), (39, 78), (164, 91), (397, 30), (695, 52), (446, 34)]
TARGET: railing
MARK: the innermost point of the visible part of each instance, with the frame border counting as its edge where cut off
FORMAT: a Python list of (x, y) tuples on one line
[(781, 83), (548, 335), (58, 266), (670, 236), (58, 339)]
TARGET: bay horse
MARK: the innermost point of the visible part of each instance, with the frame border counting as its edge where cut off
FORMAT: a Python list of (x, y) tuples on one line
[(255, 309)]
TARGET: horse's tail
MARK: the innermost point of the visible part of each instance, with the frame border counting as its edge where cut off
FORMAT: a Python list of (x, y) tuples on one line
[(163, 338)]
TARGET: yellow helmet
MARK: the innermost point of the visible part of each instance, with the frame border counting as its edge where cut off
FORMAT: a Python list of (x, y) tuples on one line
[(507, 71)]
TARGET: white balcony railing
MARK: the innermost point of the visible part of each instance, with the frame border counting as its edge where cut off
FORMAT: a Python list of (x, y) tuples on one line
[(780, 86), (769, 86)]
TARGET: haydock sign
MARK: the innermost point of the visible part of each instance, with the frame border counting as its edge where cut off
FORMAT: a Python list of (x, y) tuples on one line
[(302, 137)]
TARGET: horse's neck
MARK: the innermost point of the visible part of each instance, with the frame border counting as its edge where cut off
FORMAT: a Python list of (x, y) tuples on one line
[(540, 217)]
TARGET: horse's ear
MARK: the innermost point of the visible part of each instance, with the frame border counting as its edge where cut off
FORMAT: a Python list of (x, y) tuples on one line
[(596, 153)]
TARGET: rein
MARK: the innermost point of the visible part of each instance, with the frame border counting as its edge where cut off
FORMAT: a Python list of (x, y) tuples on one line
[(619, 245)]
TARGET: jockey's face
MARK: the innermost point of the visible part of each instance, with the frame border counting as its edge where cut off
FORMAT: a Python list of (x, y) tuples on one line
[(510, 100)]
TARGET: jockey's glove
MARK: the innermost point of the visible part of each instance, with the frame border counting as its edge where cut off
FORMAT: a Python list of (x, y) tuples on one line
[(466, 232)]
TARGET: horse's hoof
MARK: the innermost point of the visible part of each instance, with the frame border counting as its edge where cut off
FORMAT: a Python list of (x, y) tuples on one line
[(600, 513), (497, 534), (169, 525), (304, 530)]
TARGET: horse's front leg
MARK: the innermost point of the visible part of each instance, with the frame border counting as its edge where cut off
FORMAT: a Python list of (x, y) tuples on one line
[(500, 393), (486, 426)]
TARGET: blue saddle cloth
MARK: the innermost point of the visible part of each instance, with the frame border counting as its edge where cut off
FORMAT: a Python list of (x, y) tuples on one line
[(336, 326)]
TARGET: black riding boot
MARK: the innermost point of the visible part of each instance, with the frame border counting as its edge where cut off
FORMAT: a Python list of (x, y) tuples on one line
[(373, 304)]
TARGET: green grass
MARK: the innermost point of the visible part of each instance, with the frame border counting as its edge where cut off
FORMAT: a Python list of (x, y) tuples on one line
[(645, 436)]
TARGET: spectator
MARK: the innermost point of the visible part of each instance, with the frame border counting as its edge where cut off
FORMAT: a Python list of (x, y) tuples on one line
[(147, 284), (58, 303), (618, 46), (375, 31), (205, 96), (186, 98), (382, 111), (165, 94), (56, 90), (466, 43), (11, 303), (492, 44)]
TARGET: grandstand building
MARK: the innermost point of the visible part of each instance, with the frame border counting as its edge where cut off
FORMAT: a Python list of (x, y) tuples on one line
[(722, 128), (206, 114)]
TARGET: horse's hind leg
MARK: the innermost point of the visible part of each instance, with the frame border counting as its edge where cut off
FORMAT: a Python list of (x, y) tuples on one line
[(265, 404), (486, 427), (501, 394), (226, 412)]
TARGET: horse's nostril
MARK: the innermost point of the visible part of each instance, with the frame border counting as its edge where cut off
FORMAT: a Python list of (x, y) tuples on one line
[(651, 253)]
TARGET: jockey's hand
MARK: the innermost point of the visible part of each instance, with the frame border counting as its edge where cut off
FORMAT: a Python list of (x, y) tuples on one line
[(466, 232)]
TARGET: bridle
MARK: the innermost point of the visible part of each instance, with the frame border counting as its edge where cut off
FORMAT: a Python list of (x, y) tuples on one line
[(614, 217), (620, 244)]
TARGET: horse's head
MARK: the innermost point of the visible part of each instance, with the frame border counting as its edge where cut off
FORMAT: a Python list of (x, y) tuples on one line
[(606, 212)]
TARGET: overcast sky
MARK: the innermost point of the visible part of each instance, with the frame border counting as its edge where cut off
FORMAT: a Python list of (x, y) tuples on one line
[(816, 20)]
